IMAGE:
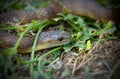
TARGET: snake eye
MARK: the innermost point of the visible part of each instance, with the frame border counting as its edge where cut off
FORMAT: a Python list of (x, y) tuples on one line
[(60, 38)]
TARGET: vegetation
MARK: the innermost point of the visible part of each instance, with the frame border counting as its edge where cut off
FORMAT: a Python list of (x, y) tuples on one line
[(84, 32)]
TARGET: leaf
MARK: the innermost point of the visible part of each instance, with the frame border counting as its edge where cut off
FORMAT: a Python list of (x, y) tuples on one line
[(69, 17), (88, 45), (110, 30), (56, 54), (109, 25), (57, 19), (79, 34), (67, 48)]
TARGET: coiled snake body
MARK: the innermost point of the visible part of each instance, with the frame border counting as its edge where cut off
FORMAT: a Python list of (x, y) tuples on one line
[(88, 8)]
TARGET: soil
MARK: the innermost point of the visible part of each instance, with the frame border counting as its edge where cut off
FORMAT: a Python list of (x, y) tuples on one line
[(98, 63)]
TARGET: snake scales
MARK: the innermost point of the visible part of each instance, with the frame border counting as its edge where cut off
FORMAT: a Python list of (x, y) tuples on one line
[(88, 8)]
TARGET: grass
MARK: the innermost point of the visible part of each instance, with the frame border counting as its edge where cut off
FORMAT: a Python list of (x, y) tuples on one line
[(83, 32)]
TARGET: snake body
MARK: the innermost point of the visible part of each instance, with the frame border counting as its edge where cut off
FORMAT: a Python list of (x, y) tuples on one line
[(88, 8), (46, 39)]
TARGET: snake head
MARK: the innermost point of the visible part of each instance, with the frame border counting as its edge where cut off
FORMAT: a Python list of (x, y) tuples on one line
[(52, 39)]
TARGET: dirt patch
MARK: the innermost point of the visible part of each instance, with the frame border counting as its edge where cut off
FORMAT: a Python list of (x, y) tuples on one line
[(98, 63)]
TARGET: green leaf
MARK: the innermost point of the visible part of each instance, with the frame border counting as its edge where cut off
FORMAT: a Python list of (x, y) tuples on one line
[(110, 30), (57, 19), (67, 48), (109, 25), (88, 45)]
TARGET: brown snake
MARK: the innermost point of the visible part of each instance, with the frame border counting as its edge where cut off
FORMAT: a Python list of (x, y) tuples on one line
[(88, 8)]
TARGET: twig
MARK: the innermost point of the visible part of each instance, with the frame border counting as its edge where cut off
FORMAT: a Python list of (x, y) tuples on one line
[(83, 63), (74, 66)]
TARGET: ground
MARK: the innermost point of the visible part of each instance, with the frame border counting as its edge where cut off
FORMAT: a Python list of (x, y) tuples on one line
[(97, 63)]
